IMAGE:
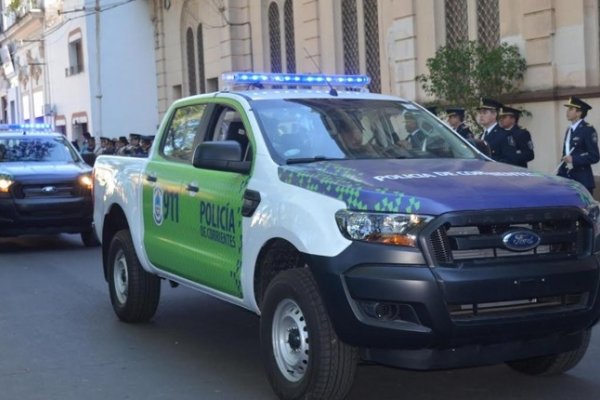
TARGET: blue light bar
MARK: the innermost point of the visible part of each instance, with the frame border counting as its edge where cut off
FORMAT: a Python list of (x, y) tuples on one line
[(25, 127), (253, 78)]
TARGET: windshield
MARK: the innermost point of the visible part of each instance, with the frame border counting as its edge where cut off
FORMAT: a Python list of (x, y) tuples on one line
[(38, 149), (301, 130)]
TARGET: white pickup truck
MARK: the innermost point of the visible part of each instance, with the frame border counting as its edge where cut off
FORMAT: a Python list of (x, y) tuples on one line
[(358, 226)]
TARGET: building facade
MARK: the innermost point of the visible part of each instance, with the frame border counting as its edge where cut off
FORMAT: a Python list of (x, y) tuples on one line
[(391, 40), (79, 65)]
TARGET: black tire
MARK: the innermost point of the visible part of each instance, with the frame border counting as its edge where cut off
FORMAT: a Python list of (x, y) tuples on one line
[(553, 364), (89, 238), (302, 355), (134, 293)]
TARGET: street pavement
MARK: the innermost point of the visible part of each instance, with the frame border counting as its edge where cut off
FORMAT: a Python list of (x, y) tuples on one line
[(59, 339)]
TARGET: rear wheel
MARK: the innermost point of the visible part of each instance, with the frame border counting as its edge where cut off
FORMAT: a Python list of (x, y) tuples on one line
[(301, 352), (134, 293), (553, 364)]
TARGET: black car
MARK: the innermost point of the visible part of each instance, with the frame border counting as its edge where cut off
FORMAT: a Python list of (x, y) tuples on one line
[(45, 186)]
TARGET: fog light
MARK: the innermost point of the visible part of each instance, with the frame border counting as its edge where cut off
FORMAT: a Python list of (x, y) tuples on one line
[(388, 311)]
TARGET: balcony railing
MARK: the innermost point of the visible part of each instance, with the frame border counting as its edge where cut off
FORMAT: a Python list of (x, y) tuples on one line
[(17, 9)]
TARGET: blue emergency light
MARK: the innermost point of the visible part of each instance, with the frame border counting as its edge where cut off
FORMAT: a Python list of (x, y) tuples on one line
[(25, 127), (261, 79)]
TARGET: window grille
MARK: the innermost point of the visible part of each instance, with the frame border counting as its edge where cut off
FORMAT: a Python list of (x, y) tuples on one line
[(488, 23), (350, 37), (457, 26), (201, 75), (191, 60), (290, 46), (275, 37), (372, 44)]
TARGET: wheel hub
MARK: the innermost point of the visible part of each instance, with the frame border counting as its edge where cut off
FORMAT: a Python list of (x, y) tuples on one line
[(290, 340), (120, 277)]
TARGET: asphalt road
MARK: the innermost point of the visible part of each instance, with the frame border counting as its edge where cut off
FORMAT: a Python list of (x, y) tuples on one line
[(59, 339)]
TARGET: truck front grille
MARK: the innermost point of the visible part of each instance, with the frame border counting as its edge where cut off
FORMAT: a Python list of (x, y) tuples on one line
[(46, 190), (476, 238)]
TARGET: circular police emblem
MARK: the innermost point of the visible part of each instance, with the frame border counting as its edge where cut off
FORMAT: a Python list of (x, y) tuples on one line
[(157, 205), (521, 240)]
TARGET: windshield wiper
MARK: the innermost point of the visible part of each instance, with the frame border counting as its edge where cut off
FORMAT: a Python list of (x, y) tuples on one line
[(306, 160)]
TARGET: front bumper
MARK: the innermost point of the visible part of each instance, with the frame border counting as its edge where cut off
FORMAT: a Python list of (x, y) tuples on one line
[(437, 326), (45, 216)]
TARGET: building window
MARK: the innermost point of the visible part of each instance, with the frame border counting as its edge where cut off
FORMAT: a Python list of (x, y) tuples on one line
[(201, 75), (75, 58), (290, 46), (372, 44), (191, 60), (488, 22), (457, 26), (274, 37), (350, 37), (360, 40)]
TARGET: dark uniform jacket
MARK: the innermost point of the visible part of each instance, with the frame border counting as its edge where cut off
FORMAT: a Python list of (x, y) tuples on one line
[(520, 150), (584, 150), (464, 131), (497, 140)]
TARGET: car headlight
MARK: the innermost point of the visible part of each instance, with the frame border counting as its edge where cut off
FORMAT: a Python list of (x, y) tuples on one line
[(86, 181), (393, 229), (593, 212), (5, 183)]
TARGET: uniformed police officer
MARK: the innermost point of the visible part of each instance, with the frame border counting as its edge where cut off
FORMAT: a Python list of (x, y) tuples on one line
[(580, 148), (493, 134), (456, 119), (133, 149), (145, 145), (520, 149)]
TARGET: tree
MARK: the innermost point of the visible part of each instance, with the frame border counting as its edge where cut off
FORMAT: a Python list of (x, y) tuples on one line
[(463, 73)]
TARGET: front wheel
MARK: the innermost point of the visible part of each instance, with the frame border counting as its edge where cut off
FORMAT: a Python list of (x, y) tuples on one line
[(301, 352), (553, 364), (134, 293)]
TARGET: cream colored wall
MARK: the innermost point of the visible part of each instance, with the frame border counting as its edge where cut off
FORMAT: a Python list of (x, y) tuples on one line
[(559, 39)]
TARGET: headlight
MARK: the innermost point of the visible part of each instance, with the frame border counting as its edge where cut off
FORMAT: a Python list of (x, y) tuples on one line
[(5, 182), (394, 229), (86, 181), (593, 212)]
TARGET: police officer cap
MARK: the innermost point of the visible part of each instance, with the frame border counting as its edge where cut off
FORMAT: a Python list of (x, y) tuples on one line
[(432, 109), (147, 138), (458, 111), (103, 138), (123, 139), (135, 136), (489, 104), (505, 110), (576, 102)]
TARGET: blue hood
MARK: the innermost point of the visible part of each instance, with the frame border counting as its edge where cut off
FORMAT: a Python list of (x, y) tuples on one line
[(434, 187)]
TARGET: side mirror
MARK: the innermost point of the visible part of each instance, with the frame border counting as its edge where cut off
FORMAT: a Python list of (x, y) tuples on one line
[(221, 156)]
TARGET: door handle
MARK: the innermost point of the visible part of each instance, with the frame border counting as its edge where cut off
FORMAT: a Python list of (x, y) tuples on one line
[(191, 188), (151, 178)]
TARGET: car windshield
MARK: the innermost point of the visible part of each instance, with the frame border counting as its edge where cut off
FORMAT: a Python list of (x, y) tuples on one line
[(304, 130), (35, 148)]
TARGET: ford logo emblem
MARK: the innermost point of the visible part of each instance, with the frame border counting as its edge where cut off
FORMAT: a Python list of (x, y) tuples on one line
[(521, 240), (49, 189)]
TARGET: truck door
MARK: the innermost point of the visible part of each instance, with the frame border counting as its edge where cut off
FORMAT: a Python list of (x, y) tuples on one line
[(163, 212), (215, 228)]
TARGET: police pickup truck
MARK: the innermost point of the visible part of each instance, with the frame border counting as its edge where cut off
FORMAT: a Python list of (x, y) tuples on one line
[(358, 226)]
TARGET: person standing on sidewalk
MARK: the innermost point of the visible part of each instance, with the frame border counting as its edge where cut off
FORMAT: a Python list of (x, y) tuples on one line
[(580, 149), (519, 139)]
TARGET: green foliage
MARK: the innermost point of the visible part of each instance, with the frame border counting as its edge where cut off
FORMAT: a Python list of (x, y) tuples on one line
[(13, 6), (461, 74)]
